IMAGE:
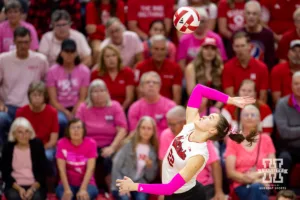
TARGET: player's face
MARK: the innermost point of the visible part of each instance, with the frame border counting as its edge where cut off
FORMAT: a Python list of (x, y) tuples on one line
[(247, 90), (36, 99), (296, 86), (157, 29), (209, 53), (76, 131), (146, 131), (252, 16), (208, 123), (110, 59)]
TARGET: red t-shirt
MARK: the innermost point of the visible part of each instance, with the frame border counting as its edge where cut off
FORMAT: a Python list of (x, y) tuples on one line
[(117, 87), (284, 43), (146, 11), (234, 74), (44, 123), (92, 17), (281, 79), (170, 74), (281, 14), (234, 16)]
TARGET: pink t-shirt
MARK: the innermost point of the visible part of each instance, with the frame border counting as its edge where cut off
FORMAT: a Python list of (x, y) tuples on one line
[(7, 36), (22, 167), (17, 74), (156, 110), (76, 158), (102, 123), (245, 159), (189, 46), (68, 84)]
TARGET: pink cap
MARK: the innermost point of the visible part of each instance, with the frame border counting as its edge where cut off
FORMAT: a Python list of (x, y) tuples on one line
[(209, 42)]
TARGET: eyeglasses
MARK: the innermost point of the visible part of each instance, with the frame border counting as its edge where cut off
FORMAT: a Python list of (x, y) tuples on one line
[(249, 115)]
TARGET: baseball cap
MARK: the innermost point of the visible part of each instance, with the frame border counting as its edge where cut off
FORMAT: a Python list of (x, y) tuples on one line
[(294, 43), (68, 45), (209, 42)]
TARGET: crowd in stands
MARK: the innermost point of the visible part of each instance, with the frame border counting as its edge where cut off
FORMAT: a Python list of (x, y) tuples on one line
[(95, 90)]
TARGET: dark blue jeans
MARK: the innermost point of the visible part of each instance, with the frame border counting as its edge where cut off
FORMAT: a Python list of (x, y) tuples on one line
[(134, 195), (6, 119), (253, 191), (91, 189)]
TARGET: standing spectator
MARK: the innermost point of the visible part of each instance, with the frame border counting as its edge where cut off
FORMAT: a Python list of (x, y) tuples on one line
[(119, 79), (18, 69), (137, 159), (281, 75), (127, 42), (142, 12), (23, 163), (169, 71), (190, 44), (151, 104), (157, 27), (244, 66), (287, 115), (40, 10), (51, 41), (13, 11), (76, 157), (67, 83)]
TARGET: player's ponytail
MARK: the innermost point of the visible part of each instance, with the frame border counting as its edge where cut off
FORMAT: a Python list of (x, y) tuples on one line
[(238, 137)]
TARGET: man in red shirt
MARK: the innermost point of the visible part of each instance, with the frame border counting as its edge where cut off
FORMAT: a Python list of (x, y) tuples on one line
[(169, 71), (281, 75), (244, 66)]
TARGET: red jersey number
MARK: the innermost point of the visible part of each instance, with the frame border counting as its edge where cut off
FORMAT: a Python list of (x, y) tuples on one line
[(171, 158)]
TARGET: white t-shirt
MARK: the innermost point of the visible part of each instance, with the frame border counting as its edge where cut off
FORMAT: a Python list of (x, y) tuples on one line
[(179, 152), (142, 153), (211, 8)]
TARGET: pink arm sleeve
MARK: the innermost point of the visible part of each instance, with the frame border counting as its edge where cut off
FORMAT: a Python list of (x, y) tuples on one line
[(163, 189), (202, 91)]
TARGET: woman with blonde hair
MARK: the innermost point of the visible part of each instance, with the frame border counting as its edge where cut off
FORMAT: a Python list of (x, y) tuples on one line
[(138, 158)]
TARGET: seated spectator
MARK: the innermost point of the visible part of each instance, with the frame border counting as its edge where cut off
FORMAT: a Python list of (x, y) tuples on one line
[(127, 42), (67, 83), (142, 12), (206, 68), (137, 159), (51, 41), (233, 114), (98, 13), (211, 175), (157, 27), (190, 44), (13, 11), (288, 37), (42, 117), (286, 195), (287, 115), (151, 104), (106, 123), (76, 157), (244, 160), (119, 79), (18, 69), (23, 163), (244, 66), (169, 71), (24, 6), (281, 75)]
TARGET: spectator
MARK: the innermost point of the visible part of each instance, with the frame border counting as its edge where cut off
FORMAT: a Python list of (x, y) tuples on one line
[(233, 114), (151, 104), (76, 157), (137, 159), (206, 68), (67, 83), (287, 117), (24, 6), (128, 42), (157, 27), (244, 66), (18, 69), (23, 163), (286, 195), (42, 117), (281, 75), (288, 37), (51, 41), (108, 128), (169, 71), (13, 11), (142, 12), (40, 10), (190, 44), (244, 160), (119, 79), (98, 13)]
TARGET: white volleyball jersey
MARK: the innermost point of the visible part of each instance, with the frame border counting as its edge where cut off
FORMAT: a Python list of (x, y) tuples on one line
[(179, 152)]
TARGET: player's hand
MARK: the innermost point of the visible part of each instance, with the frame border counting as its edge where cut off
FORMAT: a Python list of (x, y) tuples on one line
[(126, 185), (241, 102)]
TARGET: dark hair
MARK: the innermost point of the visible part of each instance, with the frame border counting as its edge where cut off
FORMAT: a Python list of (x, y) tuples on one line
[(13, 5), (60, 60), (241, 34), (60, 15), (68, 45), (38, 87), (21, 32), (158, 21), (113, 9), (286, 194), (73, 121)]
